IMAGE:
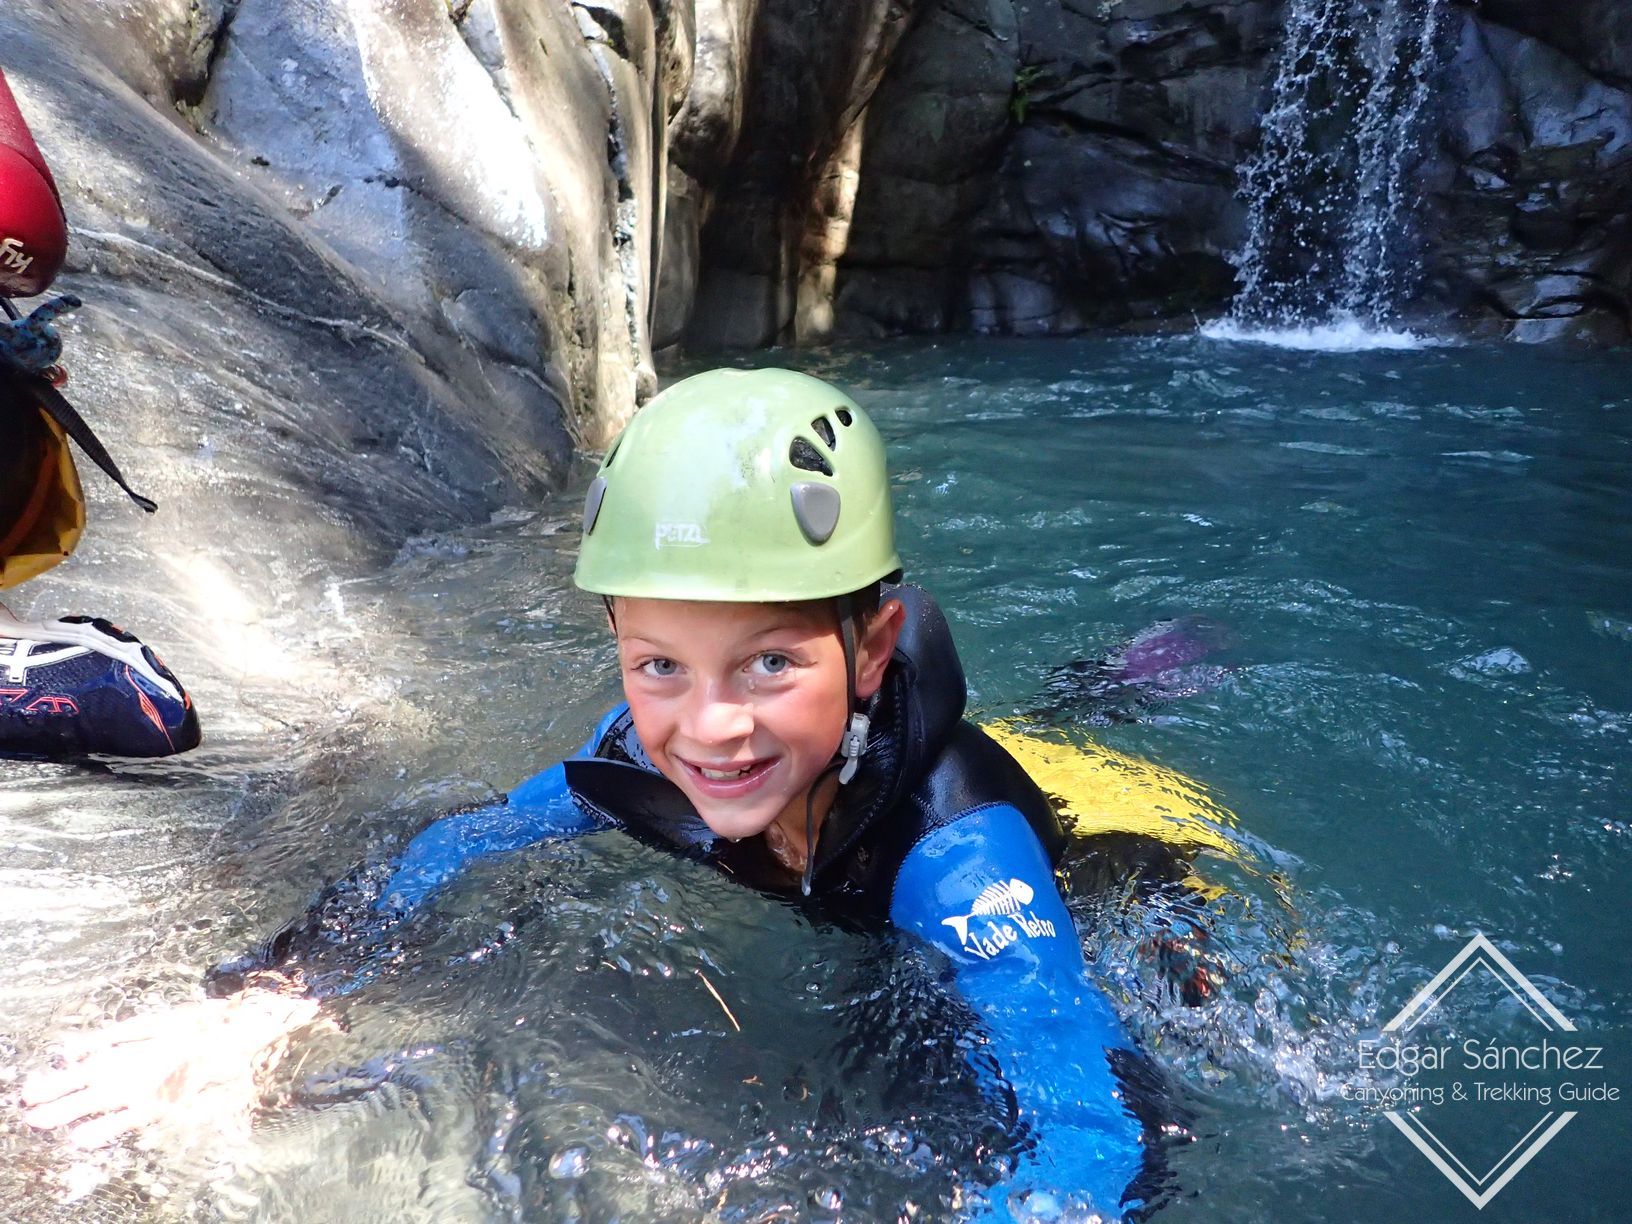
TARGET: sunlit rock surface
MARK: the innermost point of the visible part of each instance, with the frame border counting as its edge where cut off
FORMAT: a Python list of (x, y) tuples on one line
[(474, 191), (354, 270)]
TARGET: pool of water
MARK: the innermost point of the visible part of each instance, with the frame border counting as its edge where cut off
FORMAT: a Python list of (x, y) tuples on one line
[(1418, 561)]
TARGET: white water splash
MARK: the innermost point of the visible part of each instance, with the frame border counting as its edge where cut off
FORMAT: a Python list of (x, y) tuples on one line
[(1399, 58), (1330, 191), (1339, 335)]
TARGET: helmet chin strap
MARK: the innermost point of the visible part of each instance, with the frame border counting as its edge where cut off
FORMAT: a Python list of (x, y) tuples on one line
[(851, 746), (855, 734)]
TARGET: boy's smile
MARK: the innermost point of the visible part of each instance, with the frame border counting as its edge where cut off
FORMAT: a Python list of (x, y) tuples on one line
[(742, 705)]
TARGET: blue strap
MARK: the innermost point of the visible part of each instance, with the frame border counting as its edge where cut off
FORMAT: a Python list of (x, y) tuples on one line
[(981, 889)]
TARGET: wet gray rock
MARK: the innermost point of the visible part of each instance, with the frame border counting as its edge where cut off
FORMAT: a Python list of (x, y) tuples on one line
[(782, 200), (1038, 168), (372, 266), (1529, 230), (352, 272), (1041, 167), (515, 150), (1593, 34)]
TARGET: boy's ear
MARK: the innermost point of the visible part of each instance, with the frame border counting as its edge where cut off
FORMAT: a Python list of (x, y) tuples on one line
[(877, 645)]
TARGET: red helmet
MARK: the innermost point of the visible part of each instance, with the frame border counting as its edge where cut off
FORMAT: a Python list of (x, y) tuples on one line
[(33, 231)]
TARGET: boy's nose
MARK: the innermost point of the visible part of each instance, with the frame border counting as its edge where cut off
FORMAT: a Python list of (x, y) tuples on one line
[(719, 718)]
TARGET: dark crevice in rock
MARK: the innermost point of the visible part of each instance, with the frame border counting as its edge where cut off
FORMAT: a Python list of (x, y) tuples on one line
[(209, 36), (1197, 167), (980, 27), (610, 25), (593, 24)]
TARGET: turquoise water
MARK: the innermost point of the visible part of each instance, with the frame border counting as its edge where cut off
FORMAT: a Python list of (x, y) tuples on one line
[(1420, 559), (1423, 557)]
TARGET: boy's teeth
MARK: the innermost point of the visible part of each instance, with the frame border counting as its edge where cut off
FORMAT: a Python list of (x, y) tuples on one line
[(719, 775)]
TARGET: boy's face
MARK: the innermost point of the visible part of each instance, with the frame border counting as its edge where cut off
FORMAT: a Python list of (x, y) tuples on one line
[(743, 705)]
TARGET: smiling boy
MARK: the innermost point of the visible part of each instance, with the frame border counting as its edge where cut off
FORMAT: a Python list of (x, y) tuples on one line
[(795, 717), (744, 705)]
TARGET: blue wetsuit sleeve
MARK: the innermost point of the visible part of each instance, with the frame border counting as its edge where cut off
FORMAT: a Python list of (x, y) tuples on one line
[(334, 945), (982, 890)]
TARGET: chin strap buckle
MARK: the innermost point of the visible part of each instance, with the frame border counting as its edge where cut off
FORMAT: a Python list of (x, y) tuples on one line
[(853, 745)]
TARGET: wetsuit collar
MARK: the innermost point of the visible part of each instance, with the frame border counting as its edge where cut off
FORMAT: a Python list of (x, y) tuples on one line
[(921, 700)]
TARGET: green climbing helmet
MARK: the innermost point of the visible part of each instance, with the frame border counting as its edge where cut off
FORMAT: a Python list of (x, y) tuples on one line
[(742, 486)]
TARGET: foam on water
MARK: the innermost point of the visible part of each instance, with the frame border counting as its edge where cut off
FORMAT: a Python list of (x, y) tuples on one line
[(1331, 203), (1342, 335)]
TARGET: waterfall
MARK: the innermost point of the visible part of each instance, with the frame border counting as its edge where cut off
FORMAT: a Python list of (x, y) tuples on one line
[(1330, 191)]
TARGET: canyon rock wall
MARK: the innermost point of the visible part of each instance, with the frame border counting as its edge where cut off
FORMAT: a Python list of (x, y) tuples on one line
[(353, 270), (1040, 167)]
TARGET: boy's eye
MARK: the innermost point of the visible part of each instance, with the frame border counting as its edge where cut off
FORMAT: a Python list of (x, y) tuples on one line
[(660, 667), (774, 664)]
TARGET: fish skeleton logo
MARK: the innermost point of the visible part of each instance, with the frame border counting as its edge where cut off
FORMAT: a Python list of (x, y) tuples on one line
[(13, 256), (1003, 906)]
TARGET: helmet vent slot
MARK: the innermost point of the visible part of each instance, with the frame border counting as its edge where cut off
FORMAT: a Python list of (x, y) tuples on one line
[(824, 428), (804, 456), (844, 416)]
